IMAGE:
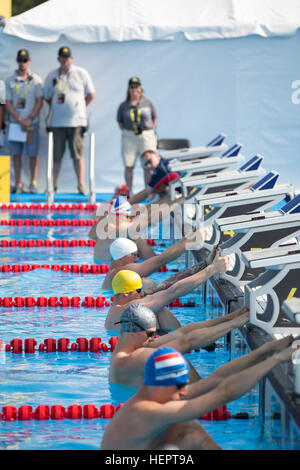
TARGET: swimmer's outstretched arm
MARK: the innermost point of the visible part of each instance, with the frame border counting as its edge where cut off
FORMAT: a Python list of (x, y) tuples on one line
[(229, 389), (201, 337), (151, 265), (191, 327), (237, 365), (158, 300)]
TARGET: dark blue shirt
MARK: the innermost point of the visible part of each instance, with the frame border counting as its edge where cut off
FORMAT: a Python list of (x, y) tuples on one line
[(160, 172)]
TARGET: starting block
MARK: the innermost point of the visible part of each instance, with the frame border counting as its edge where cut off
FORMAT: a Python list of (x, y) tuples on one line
[(214, 148), (256, 231), (268, 297), (260, 196), (231, 158), (291, 308), (219, 182)]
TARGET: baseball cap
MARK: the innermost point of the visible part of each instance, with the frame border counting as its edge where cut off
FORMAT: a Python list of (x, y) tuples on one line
[(64, 52), (23, 54), (165, 367), (134, 81), (135, 318)]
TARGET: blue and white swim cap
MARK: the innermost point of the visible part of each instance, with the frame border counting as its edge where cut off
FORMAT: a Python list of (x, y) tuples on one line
[(165, 367), (121, 206)]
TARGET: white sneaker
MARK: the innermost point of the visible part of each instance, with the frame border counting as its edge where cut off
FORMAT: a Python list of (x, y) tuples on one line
[(33, 188)]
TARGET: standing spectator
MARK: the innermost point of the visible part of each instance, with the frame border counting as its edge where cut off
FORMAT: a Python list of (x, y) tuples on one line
[(24, 99), (68, 90), (137, 118)]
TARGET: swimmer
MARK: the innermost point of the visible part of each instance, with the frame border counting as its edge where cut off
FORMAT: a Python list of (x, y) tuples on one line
[(138, 326), (113, 222), (128, 288), (164, 410), (124, 253)]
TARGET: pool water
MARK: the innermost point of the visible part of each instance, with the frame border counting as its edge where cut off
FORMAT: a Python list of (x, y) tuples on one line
[(82, 377)]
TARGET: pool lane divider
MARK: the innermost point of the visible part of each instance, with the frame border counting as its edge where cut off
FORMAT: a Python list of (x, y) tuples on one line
[(50, 207), (64, 301), (74, 268), (48, 223), (50, 345), (37, 243), (90, 411)]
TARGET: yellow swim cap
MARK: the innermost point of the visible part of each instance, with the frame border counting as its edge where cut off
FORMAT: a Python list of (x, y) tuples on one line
[(126, 281)]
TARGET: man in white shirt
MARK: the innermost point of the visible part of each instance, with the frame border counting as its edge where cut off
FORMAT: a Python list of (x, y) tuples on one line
[(68, 90), (24, 99)]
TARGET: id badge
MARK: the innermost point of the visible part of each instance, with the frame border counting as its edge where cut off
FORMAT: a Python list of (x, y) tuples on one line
[(60, 98), (21, 103)]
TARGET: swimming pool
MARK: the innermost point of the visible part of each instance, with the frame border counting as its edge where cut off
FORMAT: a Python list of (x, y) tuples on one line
[(81, 378)]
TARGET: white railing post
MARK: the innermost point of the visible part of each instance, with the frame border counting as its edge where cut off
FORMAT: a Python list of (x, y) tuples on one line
[(92, 195), (50, 191)]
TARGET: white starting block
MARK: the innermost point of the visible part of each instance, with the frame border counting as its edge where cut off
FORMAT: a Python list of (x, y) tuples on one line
[(229, 159), (260, 196), (266, 295), (255, 231), (219, 182), (214, 148), (291, 308)]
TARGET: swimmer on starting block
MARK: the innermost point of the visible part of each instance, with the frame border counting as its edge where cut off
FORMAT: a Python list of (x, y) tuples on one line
[(163, 413), (127, 287), (138, 326)]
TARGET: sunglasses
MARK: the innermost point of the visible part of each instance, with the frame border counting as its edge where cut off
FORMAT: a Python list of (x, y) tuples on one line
[(149, 334), (24, 61), (147, 163), (180, 386)]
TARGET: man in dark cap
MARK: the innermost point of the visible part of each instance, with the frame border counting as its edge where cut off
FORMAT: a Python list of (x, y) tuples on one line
[(24, 99), (69, 90), (138, 326)]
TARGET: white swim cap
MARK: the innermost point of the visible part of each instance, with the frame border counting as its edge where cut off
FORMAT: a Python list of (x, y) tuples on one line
[(122, 247)]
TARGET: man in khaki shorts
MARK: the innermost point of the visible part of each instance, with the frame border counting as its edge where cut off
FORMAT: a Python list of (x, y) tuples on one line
[(68, 90)]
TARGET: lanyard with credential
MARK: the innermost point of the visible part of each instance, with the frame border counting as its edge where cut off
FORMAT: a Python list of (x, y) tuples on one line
[(135, 115), (59, 86), (26, 88)]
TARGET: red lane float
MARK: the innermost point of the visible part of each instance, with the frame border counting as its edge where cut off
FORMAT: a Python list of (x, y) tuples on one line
[(74, 268), (49, 207), (89, 411), (64, 301), (45, 243), (48, 223), (50, 345), (58, 412)]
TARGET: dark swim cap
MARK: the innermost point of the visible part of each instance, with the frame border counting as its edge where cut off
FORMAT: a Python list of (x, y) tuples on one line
[(165, 367), (137, 317)]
